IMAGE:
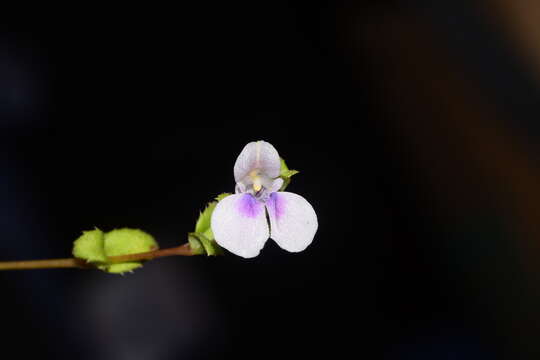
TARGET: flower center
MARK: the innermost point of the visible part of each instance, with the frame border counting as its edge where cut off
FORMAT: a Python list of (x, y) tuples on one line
[(256, 183), (256, 179)]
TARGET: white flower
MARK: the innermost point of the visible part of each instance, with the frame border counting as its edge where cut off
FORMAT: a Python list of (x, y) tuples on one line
[(239, 221)]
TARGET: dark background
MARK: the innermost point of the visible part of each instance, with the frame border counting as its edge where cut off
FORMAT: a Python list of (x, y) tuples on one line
[(414, 126)]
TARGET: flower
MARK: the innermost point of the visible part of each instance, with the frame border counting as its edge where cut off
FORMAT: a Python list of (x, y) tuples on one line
[(239, 222)]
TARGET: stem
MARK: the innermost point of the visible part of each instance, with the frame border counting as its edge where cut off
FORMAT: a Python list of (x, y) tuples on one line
[(44, 264), (182, 250)]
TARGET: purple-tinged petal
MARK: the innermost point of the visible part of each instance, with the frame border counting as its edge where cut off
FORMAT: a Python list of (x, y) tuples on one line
[(257, 155), (293, 222), (239, 225), (276, 185), (240, 188)]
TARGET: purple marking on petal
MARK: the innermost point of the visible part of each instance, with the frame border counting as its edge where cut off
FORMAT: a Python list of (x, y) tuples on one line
[(277, 204), (248, 206)]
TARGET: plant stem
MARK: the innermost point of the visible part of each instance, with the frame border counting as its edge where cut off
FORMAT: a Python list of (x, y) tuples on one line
[(182, 250), (44, 264)]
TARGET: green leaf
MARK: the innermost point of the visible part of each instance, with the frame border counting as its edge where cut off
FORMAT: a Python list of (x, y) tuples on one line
[(95, 247), (90, 246), (124, 242), (120, 268)]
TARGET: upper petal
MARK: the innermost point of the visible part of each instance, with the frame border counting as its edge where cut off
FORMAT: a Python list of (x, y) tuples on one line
[(293, 222), (239, 225), (257, 155)]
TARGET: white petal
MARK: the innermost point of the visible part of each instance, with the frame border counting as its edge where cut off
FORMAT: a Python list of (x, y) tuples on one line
[(293, 222), (276, 185), (257, 155), (240, 188), (239, 225)]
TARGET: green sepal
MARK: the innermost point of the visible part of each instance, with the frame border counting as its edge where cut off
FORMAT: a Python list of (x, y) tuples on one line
[(222, 196), (209, 245), (201, 241), (286, 174), (195, 245), (203, 223)]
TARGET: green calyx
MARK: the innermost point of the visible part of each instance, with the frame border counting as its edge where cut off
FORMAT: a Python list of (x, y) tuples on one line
[(202, 241), (95, 246)]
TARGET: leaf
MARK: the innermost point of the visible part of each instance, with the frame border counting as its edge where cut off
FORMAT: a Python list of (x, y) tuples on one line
[(124, 242), (90, 246), (95, 247)]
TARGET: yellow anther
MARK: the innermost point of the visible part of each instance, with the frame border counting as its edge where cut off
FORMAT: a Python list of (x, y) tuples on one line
[(256, 179), (257, 184)]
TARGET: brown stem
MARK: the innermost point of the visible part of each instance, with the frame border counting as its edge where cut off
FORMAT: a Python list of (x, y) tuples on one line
[(44, 264), (183, 250)]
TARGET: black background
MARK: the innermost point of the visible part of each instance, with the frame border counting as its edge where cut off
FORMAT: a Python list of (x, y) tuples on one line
[(133, 117)]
